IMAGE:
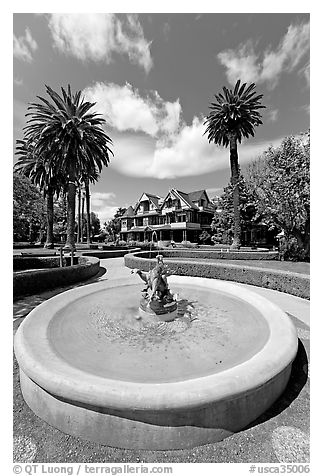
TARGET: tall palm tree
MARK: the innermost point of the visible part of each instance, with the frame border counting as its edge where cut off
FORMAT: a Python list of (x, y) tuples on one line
[(38, 171), (233, 116), (79, 193), (91, 175), (74, 138)]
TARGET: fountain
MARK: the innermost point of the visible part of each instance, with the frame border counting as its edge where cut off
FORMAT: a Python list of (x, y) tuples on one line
[(192, 362), (161, 303)]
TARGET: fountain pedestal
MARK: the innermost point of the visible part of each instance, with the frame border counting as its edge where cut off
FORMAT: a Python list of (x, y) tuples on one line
[(159, 311)]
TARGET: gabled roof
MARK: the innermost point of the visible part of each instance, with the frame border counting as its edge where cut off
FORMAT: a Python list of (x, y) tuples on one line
[(195, 196), (186, 197), (129, 212), (153, 198), (182, 196)]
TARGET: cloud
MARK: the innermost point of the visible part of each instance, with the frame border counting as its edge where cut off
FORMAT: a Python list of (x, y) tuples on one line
[(24, 46), (246, 64), (273, 115), (306, 108), (103, 204), (214, 192), (152, 140), (305, 72), (96, 36), (19, 118), (189, 154), (125, 110), (240, 63), (18, 81), (166, 30)]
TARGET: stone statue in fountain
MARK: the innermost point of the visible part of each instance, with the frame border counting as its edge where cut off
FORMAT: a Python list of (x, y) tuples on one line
[(161, 300)]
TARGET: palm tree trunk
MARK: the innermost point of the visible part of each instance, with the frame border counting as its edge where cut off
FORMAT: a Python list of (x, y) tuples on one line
[(88, 214), (50, 219), (235, 185), (82, 218), (79, 215), (71, 193)]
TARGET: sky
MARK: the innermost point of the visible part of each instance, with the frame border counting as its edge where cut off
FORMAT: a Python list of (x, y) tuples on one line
[(153, 76)]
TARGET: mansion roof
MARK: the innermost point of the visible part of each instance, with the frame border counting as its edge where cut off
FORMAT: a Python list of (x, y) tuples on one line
[(158, 202)]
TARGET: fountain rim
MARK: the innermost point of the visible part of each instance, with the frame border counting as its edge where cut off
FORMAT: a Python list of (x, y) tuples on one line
[(47, 369)]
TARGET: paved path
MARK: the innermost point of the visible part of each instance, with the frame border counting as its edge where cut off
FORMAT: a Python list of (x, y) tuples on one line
[(279, 435)]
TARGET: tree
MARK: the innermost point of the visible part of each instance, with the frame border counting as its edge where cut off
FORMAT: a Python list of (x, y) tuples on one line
[(91, 175), (28, 209), (49, 181), (234, 116), (60, 216), (95, 224), (280, 180), (204, 237), (223, 220), (113, 227), (71, 138)]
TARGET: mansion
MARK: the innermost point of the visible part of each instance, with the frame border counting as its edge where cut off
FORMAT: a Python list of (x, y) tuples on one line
[(177, 217)]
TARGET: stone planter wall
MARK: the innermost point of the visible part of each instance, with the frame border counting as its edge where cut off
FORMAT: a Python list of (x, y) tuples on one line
[(34, 281)]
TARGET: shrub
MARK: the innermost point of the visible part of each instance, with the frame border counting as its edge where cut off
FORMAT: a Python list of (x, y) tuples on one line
[(284, 281), (292, 251)]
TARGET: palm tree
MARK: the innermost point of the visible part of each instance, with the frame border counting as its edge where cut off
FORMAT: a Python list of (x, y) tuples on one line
[(91, 175), (40, 174), (74, 139), (233, 116), (79, 192)]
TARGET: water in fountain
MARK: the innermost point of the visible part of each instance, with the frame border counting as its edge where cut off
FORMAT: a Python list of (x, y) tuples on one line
[(103, 336)]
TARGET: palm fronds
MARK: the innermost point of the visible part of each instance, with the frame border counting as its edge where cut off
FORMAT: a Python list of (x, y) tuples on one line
[(234, 112)]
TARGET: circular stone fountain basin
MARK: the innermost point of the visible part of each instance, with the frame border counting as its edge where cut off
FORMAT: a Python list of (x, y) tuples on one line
[(92, 367)]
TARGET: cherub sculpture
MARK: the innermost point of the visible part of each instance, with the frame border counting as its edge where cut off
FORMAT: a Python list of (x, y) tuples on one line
[(156, 281)]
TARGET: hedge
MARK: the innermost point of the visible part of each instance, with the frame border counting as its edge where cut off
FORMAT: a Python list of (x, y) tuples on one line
[(111, 253), (21, 263), (22, 245), (292, 283), (214, 254), (52, 276)]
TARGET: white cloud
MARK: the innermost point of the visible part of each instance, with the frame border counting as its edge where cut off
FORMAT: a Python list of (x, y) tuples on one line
[(305, 72), (125, 110), (18, 81), (170, 148), (245, 64), (214, 191), (24, 46), (273, 115), (19, 116), (166, 30), (95, 36), (103, 204), (189, 154), (240, 63)]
